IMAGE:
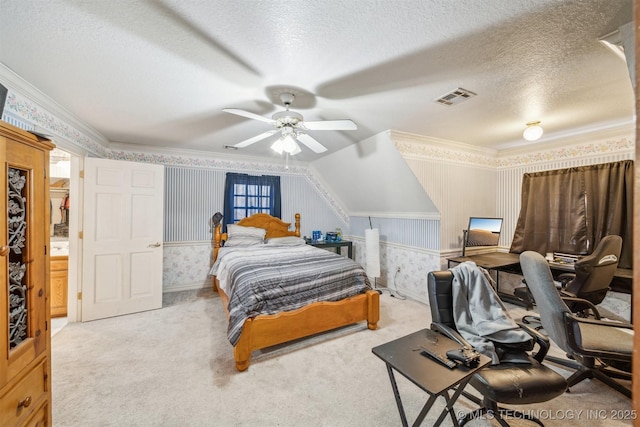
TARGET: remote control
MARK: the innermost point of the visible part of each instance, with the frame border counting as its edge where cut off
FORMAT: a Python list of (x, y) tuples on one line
[(438, 357)]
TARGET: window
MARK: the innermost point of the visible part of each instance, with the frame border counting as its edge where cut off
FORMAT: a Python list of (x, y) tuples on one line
[(245, 195)]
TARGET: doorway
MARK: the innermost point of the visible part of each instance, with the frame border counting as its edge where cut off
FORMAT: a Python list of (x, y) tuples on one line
[(63, 223)]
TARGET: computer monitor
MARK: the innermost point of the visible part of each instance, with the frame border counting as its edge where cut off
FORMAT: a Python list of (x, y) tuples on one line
[(482, 231)]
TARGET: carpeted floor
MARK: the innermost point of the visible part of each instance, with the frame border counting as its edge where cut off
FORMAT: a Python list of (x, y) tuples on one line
[(174, 367)]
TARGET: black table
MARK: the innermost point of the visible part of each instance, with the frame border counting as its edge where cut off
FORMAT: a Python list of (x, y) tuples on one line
[(621, 273), (510, 263), (403, 355), (336, 245), (498, 261)]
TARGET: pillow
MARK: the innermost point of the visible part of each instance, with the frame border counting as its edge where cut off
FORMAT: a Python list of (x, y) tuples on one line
[(238, 235), (243, 241), (234, 230), (286, 241)]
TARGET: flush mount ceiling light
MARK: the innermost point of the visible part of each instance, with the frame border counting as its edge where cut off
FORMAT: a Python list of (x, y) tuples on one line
[(533, 131)]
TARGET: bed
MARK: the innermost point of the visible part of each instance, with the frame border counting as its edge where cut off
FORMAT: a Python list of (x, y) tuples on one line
[(283, 263)]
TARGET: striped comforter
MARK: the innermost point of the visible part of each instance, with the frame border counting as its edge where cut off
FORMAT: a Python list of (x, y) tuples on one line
[(269, 279)]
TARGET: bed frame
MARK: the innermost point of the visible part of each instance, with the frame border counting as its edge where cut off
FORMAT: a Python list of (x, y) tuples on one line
[(268, 330)]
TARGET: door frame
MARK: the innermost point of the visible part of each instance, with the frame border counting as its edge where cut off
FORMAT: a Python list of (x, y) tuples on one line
[(74, 306)]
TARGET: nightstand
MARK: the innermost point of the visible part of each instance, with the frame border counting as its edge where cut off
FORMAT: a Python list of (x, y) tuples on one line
[(337, 245)]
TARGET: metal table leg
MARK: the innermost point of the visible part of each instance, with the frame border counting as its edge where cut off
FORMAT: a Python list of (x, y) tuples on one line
[(394, 386), (450, 401)]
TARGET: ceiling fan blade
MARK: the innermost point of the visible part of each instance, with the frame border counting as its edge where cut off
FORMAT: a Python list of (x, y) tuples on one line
[(248, 115), (256, 138), (311, 143), (330, 125)]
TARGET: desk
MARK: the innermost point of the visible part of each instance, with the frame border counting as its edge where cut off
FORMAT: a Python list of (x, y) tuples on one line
[(499, 261), (337, 245), (510, 263), (621, 273), (503, 261), (403, 355)]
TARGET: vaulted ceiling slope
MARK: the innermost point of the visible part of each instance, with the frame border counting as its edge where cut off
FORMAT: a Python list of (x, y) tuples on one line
[(380, 182), (158, 73)]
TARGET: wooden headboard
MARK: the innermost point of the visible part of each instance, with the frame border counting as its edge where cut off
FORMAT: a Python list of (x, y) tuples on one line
[(275, 228)]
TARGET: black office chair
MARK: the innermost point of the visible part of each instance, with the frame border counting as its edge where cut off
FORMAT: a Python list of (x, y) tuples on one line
[(504, 383), (593, 275), (587, 287), (598, 348)]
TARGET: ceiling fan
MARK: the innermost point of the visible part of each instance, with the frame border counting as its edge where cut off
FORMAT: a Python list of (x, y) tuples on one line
[(292, 128)]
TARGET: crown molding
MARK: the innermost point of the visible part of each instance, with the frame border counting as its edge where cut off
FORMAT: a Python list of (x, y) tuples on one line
[(315, 178), (30, 105), (595, 148), (202, 159), (589, 134), (420, 147), (591, 142), (406, 137)]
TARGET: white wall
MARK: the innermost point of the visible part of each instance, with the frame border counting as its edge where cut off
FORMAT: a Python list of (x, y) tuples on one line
[(372, 178)]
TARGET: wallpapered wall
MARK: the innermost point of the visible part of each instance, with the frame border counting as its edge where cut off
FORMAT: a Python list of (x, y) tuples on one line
[(461, 181), (471, 182), (459, 190), (193, 195)]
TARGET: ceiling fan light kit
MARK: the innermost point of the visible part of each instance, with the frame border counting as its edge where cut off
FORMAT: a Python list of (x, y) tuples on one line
[(286, 143), (533, 131), (292, 127)]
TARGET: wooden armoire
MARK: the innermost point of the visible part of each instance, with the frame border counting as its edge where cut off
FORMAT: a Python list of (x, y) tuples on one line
[(25, 347)]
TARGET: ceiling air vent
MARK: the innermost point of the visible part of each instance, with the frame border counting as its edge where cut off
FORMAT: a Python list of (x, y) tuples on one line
[(456, 96)]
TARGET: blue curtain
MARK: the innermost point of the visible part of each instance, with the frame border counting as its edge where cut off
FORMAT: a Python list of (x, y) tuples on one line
[(245, 195)]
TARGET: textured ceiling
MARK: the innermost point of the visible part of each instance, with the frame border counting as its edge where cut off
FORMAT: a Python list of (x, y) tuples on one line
[(158, 73)]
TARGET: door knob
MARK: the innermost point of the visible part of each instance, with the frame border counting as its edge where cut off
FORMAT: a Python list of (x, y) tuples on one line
[(4, 250), (155, 245)]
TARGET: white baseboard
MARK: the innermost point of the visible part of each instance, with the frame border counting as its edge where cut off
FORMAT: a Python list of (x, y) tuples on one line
[(404, 293), (188, 287)]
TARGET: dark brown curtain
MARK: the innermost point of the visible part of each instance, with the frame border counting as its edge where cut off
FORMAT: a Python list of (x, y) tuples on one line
[(552, 214), (571, 210), (610, 205)]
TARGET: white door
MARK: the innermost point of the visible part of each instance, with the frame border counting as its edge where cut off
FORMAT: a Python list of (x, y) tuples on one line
[(122, 238)]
